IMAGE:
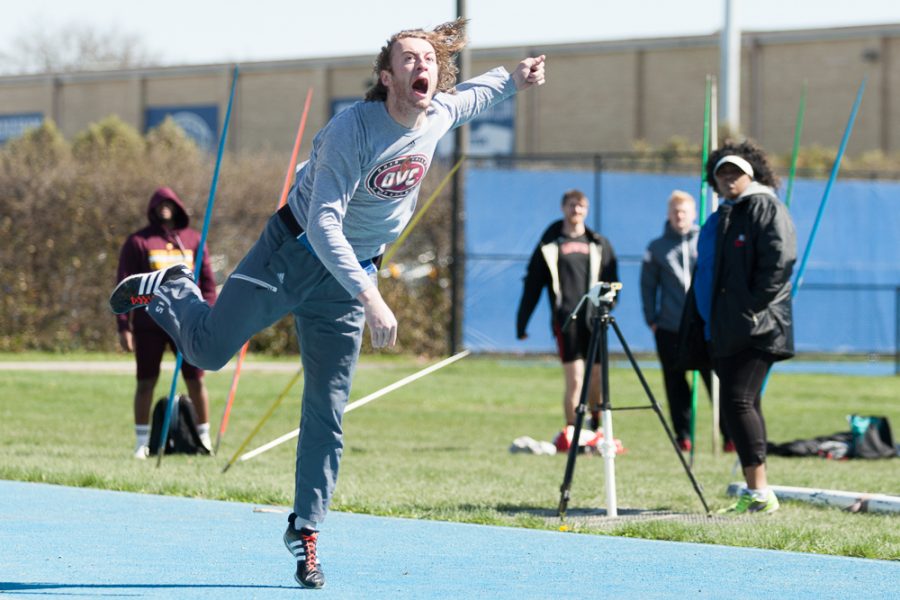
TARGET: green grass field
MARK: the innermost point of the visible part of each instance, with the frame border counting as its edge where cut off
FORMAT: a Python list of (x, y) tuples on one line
[(438, 449)]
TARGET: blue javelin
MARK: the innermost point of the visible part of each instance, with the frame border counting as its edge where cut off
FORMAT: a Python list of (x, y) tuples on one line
[(198, 263), (834, 172)]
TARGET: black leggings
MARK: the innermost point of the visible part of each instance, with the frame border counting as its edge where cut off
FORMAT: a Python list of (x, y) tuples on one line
[(741, 378)]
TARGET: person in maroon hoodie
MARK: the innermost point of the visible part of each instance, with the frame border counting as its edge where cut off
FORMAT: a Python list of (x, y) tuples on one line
[(166, 241)]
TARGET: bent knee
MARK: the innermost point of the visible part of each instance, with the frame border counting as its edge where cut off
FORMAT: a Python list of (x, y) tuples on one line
[(211, 360)]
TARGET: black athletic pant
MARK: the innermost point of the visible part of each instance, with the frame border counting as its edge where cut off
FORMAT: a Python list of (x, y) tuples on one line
[(678, 389), (741, 377)]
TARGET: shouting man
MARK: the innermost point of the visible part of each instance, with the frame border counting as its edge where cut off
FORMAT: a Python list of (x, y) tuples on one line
[(318, 256)]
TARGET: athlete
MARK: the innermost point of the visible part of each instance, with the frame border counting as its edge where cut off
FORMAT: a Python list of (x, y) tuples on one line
[(167, 239), (317, 256), (568, 260)]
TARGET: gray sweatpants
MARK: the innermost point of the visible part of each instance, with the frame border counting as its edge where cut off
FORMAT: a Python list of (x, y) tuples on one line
[(279, 276)]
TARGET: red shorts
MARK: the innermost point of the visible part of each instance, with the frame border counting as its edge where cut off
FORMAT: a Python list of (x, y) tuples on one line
[(149, 345)]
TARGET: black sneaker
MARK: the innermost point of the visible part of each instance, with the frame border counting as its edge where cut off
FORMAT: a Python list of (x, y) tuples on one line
[(302, 544), (137, 290)]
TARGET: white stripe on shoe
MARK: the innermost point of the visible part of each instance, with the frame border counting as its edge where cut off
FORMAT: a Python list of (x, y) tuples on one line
[(147, 283), (155, 280), (297, 549)]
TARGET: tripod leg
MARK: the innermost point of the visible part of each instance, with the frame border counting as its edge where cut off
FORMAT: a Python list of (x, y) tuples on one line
[(579, 419), (608, 445), (659, 413)]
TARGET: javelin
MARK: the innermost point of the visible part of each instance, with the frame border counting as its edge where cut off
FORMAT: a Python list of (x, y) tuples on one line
[(796, 151), (713, 207), (362, 401), (198, 262), (834, 171), (288, 178), (705, 155)]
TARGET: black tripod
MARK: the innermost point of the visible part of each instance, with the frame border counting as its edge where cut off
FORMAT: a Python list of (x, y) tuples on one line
[(602, 296)]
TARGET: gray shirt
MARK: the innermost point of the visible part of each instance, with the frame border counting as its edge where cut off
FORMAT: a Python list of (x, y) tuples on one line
[(359, 188), (666, 276)]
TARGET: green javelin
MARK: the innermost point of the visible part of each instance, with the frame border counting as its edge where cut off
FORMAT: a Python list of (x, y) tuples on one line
[(705, 155), (798, 128)]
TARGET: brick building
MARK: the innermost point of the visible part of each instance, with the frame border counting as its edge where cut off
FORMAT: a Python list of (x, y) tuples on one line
[(600, 96)]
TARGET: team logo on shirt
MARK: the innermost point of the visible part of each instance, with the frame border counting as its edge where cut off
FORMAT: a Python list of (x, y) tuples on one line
[(574, 248), (397, 177)]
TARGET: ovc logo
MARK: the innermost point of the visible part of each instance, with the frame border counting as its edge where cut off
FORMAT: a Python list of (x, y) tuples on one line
[(397, 177)]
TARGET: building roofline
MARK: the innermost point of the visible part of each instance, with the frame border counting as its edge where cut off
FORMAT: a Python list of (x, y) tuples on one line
[(359, 61)]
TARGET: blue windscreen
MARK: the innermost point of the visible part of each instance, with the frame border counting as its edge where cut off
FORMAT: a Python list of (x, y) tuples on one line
[(847, 301)]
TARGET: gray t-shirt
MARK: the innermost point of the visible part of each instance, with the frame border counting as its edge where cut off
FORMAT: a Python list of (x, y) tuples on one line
[(359, 188)]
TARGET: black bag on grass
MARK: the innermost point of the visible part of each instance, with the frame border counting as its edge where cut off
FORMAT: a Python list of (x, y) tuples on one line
[(183, 436), (872, 437), (869, 437)]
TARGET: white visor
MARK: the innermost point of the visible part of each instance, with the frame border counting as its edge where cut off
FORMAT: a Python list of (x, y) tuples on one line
[(737, 161)]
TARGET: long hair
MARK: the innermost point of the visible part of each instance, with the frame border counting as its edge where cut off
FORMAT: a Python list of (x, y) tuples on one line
[(447, 39), (749, 151)]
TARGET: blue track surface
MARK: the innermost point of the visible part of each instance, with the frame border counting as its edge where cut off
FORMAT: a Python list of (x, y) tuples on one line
[(59, 541)]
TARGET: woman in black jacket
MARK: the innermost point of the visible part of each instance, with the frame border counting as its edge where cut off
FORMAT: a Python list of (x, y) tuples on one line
[(740, 303)]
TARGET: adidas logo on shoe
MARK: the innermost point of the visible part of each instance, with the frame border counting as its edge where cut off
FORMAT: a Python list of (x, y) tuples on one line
[(137, 291), (302, 544)]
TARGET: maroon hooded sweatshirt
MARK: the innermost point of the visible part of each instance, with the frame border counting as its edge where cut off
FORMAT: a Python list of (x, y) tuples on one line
[(154, 247)]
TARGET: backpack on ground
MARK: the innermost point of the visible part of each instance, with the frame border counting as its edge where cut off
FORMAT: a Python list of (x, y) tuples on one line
[(183, 438), (869, 437), (872, 437)]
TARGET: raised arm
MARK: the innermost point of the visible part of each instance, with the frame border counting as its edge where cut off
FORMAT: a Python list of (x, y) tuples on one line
[(476, 95), (529, 72)]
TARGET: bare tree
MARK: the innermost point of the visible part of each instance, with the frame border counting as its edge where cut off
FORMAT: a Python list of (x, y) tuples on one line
[(73, 47)]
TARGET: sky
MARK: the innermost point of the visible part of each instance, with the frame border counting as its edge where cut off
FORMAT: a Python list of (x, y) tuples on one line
[(217, 31)]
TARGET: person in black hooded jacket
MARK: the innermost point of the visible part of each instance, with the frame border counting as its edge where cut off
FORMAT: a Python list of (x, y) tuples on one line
[(568, 260), (738, 312)]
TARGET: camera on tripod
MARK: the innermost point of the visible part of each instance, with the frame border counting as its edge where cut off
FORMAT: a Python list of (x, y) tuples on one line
[(604, 292), (602, 296)]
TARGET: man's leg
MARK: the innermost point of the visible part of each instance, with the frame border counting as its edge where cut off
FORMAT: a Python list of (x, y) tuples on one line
[(329, 326), (255, 295), (678, 392), (193, 379), (200, 397), (572, 345), (573, 374), (143, 400), (330, 334), (595, 393), (149, 346)]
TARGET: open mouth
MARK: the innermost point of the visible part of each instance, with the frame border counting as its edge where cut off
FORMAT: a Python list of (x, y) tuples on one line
[(420, 85)]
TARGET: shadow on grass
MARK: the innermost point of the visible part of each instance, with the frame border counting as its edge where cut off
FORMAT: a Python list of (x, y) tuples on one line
[(599, 516)]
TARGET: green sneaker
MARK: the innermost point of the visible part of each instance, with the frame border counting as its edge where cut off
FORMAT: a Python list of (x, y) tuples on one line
[(748, 504)]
